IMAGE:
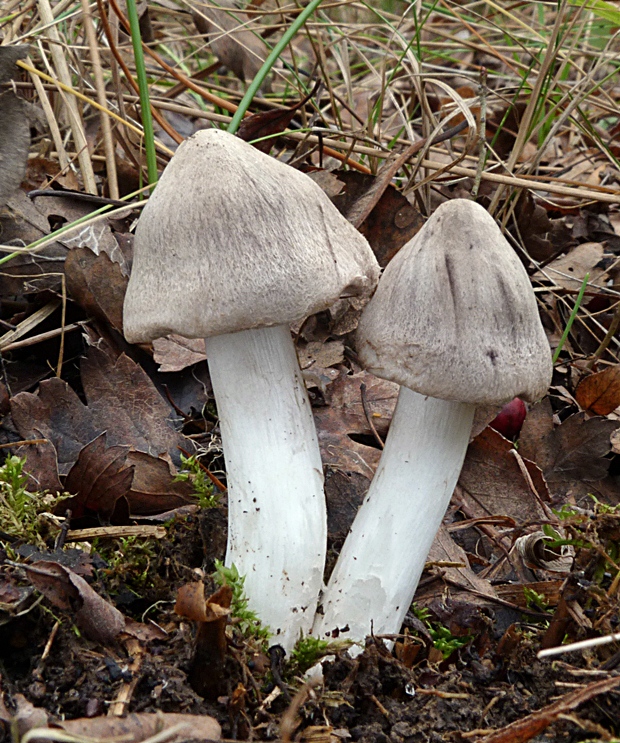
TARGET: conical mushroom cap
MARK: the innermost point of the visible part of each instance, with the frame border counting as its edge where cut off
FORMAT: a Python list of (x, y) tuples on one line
[(232, 239), (454, 315)]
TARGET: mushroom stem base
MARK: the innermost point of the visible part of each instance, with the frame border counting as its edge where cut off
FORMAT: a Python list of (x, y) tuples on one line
[(373, 583), (276, 506)]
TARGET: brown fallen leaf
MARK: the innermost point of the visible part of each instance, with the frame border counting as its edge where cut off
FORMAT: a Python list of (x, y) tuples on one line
[(97, 238), (493, 480), (342, 427), (22, 223), (41, 467), (528, 727), (55, 413), (267, 123), (541, 236), (139, 726), (97, 480), (174, 353), (97, 284), (577, 449), (600, 392), (124, 402), (392, 222), (568, 271), (154, 489), (26, 716), (344, 493), (97, 618), (445, 549)]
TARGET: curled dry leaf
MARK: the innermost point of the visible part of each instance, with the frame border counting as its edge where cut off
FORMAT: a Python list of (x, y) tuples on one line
[(139, 726), (98, 619), (206, 674), (600, 392), (535, 552)]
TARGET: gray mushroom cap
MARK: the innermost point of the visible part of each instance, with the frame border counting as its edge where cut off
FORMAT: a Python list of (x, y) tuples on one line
[(232, 239), (454, 315)]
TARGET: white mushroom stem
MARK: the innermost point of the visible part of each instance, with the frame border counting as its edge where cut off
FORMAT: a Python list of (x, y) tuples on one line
[(276, 507), (378, 570)]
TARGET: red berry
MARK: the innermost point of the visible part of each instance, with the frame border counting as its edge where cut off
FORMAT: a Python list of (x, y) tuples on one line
[(510, 419)]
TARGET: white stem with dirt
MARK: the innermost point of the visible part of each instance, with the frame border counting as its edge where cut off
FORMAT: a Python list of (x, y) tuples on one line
[(378, 570), (276, 505)]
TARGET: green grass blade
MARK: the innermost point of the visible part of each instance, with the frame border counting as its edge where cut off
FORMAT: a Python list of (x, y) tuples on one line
[(269, 63), (145, 101), (572, 317), (602, 9)]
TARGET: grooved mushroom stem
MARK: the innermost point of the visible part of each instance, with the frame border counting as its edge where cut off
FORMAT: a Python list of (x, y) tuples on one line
[(378, 570), (277, 519)]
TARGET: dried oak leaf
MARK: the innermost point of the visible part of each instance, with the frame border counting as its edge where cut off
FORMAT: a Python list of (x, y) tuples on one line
[(97, 618), (57, 414), (98, 479), (97, 284), (600, 392), (124, 402), (493, 479)]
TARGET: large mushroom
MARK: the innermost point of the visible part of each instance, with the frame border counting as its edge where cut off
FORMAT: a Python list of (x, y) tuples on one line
[(454, 321), (234, 246)]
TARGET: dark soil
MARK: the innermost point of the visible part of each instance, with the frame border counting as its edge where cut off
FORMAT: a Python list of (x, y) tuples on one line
[(491, 681)]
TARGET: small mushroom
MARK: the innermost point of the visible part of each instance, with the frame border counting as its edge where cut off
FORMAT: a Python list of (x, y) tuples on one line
[(454, 321), (234, 246)]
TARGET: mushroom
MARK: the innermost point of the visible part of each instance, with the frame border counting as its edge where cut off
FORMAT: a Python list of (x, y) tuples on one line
[(234, 246), (454, 321)]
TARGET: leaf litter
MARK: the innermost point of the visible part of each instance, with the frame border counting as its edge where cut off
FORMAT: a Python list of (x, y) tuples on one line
[(102, 424)]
